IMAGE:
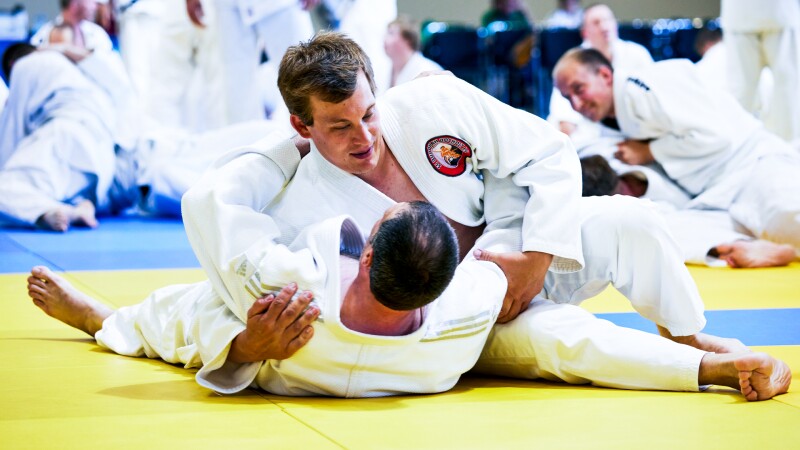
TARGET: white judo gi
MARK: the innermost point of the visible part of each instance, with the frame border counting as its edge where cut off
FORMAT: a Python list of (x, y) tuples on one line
[(232, 213), (56, 137), (765, 34), (94, 36), (139, 22), (626, 56), (711, 147), (365, 22), (190, 324), (74, 132), (3, 94), (185, 86), (243, 24), (417, 64)]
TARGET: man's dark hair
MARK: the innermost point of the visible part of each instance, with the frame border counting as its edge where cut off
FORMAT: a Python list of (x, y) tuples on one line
[(598, 177), (415, 254), (64, 4), (326, 66), (14, 53), (588, 57), (706, 37)]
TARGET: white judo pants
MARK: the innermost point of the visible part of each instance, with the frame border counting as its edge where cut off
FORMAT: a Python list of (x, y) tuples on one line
[(186, 84), (171, 324), (626, 243), (138, 36), (239, 45), (748, 54), (188, 324), (769, 203), (61, 162), (561, 342)]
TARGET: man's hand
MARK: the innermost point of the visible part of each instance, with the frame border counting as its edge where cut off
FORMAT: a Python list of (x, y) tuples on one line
[(73, 52), (525, 273), (196, 14), (276, 327), (635, 153)]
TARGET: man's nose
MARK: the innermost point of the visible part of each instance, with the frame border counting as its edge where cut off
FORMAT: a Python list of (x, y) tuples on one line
[(363, 133)]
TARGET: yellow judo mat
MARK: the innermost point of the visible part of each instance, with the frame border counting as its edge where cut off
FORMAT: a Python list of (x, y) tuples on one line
[(59, 390)]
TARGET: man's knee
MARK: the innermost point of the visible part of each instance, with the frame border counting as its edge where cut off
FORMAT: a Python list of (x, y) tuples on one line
[(621, 216)]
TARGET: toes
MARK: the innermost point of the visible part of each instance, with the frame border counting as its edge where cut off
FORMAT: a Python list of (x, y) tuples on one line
[(39, 271)]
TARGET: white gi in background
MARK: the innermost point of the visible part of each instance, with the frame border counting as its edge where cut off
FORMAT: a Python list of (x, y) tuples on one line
[(765, 34), (56, 138), (186, 87), (561, 18), (244, 25), (711, 147), (94, 36), (365, 22), (190, 324), (713, 69), (626, 56), (139, 23), (3, 94), (76, 132), (224, 222), (415, 66)]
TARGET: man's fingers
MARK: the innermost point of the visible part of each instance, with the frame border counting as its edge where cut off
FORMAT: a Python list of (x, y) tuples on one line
[(294, 310), (260, 305), (305, 319), (483, 255), (282, 299), (301, 340)]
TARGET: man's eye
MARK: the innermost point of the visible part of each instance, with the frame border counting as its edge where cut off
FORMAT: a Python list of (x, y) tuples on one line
[(341, 127)]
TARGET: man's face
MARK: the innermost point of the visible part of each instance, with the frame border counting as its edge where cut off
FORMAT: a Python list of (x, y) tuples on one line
[(599, 26), (589, 92), (86, 9), (393, 42), (347, 134)]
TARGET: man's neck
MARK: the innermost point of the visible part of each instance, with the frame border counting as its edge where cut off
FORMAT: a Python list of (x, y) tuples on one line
[(399, 61), (361, 312), (70, 18)]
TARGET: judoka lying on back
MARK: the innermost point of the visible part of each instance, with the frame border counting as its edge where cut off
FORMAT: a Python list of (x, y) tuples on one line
[(383, 322)]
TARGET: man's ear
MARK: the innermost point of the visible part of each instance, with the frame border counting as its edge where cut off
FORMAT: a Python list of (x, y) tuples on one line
[(366, 257), (606, 74), (299, 126)]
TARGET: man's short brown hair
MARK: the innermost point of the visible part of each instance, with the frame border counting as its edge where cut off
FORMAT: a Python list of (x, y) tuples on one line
[(409, 31), (326, 66)]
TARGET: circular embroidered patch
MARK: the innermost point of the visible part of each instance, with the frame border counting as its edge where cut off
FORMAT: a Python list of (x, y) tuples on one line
[(448, 155)]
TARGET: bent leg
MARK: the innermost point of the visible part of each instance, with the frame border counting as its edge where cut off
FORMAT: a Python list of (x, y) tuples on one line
[(626, 243), (768, 205), (39, 178)]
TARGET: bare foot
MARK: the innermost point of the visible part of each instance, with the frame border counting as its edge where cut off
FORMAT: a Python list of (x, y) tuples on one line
[(61, 217), (83, 214), (758, 253), (707, 342), (762, 377), (55, 219), (757, 375), (59, 299)]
